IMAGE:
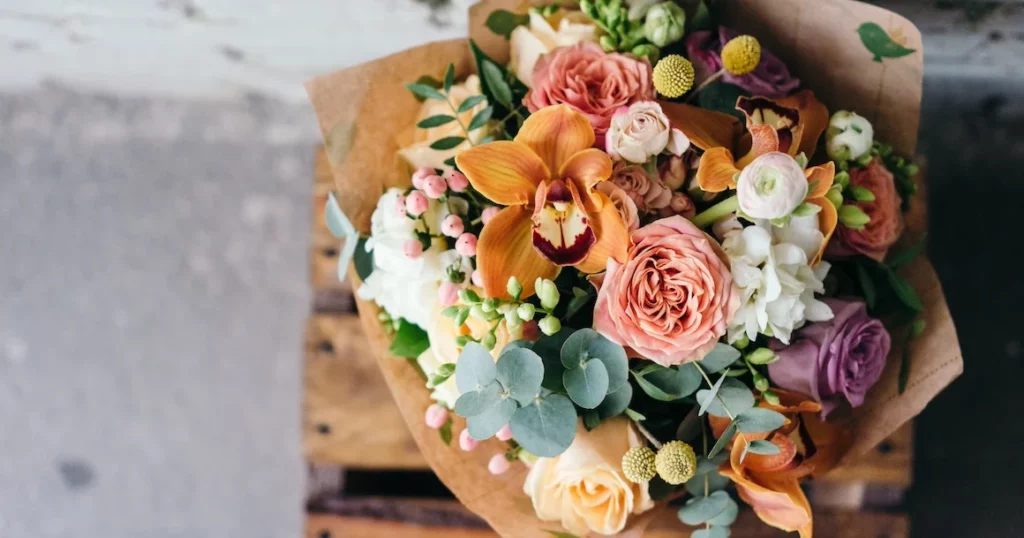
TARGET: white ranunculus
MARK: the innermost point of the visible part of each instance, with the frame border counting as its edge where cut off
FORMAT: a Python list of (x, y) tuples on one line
[(775, 281), (771, 186), (405, 288), (643, 131), (849, 136), (531, 41)]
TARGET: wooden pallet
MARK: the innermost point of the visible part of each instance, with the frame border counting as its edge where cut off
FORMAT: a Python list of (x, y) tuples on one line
[(351, 422)]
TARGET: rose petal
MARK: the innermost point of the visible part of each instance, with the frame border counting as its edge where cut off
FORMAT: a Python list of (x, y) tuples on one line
[(555, 134), (506, 172), (505, 249)]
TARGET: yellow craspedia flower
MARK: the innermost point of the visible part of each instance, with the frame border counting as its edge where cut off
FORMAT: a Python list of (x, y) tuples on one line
[(673, 76), (638, 464), (741, 55), (676, 463)]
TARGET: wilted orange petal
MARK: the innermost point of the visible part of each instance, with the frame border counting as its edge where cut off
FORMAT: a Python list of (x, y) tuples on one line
[(778, 503), (506, 172), (820, 177), (506, 249), (763, 139), (791, 402), (556, 133), (813, 119), (717, 171), (705, 129), (828, 218), (587, 168), (612, 236)]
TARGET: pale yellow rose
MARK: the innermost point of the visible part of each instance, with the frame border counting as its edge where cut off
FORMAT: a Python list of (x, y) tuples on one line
[(415, 144), (531, 41), (443, 350), (584, 487)]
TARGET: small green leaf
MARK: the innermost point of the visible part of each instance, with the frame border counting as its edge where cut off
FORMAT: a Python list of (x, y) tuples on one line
[(450, 161), (587, 383), (634, 416), (475, 368), (481, 118), (899, 259), (759, 420), (720, 357), (700, 510), (503, 22), (546, 427), (445, 432), (764, 448), (426, 92), (520, 372), (435, 121), (495, 79), (486, 424), (475, 402), (730, 430), (867, 285), (733, 395), (449, 78), (448, 142), (410, 340), (461, 317), (615, 403), (709, 395), (905, 292), (471, 102), (442, 374), (591, 419)]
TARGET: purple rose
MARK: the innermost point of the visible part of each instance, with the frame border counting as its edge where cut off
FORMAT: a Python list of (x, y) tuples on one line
[(771, 78), (836, 360)]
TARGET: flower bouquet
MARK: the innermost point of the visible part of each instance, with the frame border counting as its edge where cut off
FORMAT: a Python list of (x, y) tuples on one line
[(642, 253)]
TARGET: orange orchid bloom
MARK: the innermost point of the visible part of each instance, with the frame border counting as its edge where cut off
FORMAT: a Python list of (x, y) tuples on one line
[(790, 125), (771, 484), (555, 217)]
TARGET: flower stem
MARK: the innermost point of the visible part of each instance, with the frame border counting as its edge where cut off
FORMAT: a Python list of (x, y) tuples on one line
[(707, 82), (654, 441), (721, 401), (717, 211), (448, 100)]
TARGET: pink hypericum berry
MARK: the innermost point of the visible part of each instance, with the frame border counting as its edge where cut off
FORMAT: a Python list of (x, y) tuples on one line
[(436, 416), (466, 245), (412, 248), (448, 294), (453, 226), (467, 443), (504, 434), (489, 214), (477, 278), (421, 174), (457, 181), (498, 464), (434, 186), (416, 203)]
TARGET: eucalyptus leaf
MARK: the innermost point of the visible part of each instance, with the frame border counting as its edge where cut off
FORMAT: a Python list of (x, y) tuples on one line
[(576, 348), (713, 480), (448, 142), (546, 427), (615, 403), (700, 510), (709, 395), (720, 357), (471, 102), (435, 121), (763, 448), (486, 424), (475, 368), (549, 348), (711, 532), (520, 372), (759, 420), (518, 344), (727, 517), (587, 384), (475, 402), (730, 430), (668, 384), (615, 361), (480, 119), (732, 394)]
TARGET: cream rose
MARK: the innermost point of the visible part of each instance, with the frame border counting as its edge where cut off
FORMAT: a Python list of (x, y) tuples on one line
[(584, 487), (415, 144), (771, 187), (531, 41), (643, 131)]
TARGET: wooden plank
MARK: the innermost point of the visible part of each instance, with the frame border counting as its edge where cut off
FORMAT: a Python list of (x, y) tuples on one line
[(400, 518), (349, 416)]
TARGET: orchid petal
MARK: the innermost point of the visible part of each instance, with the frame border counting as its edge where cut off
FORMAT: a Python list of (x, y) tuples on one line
[(763, 139), (717, 171), (814, 119), (612, 235), (821, 178), (505, 249), (555, 134), (705, 129), (507, 173), (561, 228), (588, 168)]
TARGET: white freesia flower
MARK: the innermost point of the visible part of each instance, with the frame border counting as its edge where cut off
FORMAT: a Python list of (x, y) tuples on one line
[(775, 281), (849, 136), (403, 287), (643, 131), (531, 41), (771, 186)]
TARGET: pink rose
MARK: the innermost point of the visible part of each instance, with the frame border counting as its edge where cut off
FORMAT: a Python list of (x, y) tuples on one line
[(648, 193), (886, 223), (681, 205), (623, 203), (673, 172), (672, 299), (592, 81)]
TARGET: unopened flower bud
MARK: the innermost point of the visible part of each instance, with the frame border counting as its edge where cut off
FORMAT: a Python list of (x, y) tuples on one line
[(853, 217), (849, 137), (420, 175), (550, 325), (526, 311), (760, 356), (466, 245), (665, 24), (457, 181), (489, 341), (452, 226), (434, 187), (547, 292), (416, 203), (514, 288)]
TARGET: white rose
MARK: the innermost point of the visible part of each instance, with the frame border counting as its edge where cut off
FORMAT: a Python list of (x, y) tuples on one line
[(416, 151), (531, 41), (584, 487), (643, 131), (771, 186), (849, 136)]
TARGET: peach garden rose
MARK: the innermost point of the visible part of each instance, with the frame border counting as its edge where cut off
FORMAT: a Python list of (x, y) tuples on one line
[(672, 299)]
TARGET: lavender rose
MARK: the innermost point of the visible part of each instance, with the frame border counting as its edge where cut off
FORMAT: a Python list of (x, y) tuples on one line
[(834, 361), (771, 78)]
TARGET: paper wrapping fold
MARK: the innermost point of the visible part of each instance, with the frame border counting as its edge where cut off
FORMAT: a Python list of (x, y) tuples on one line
[(362, 109)]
